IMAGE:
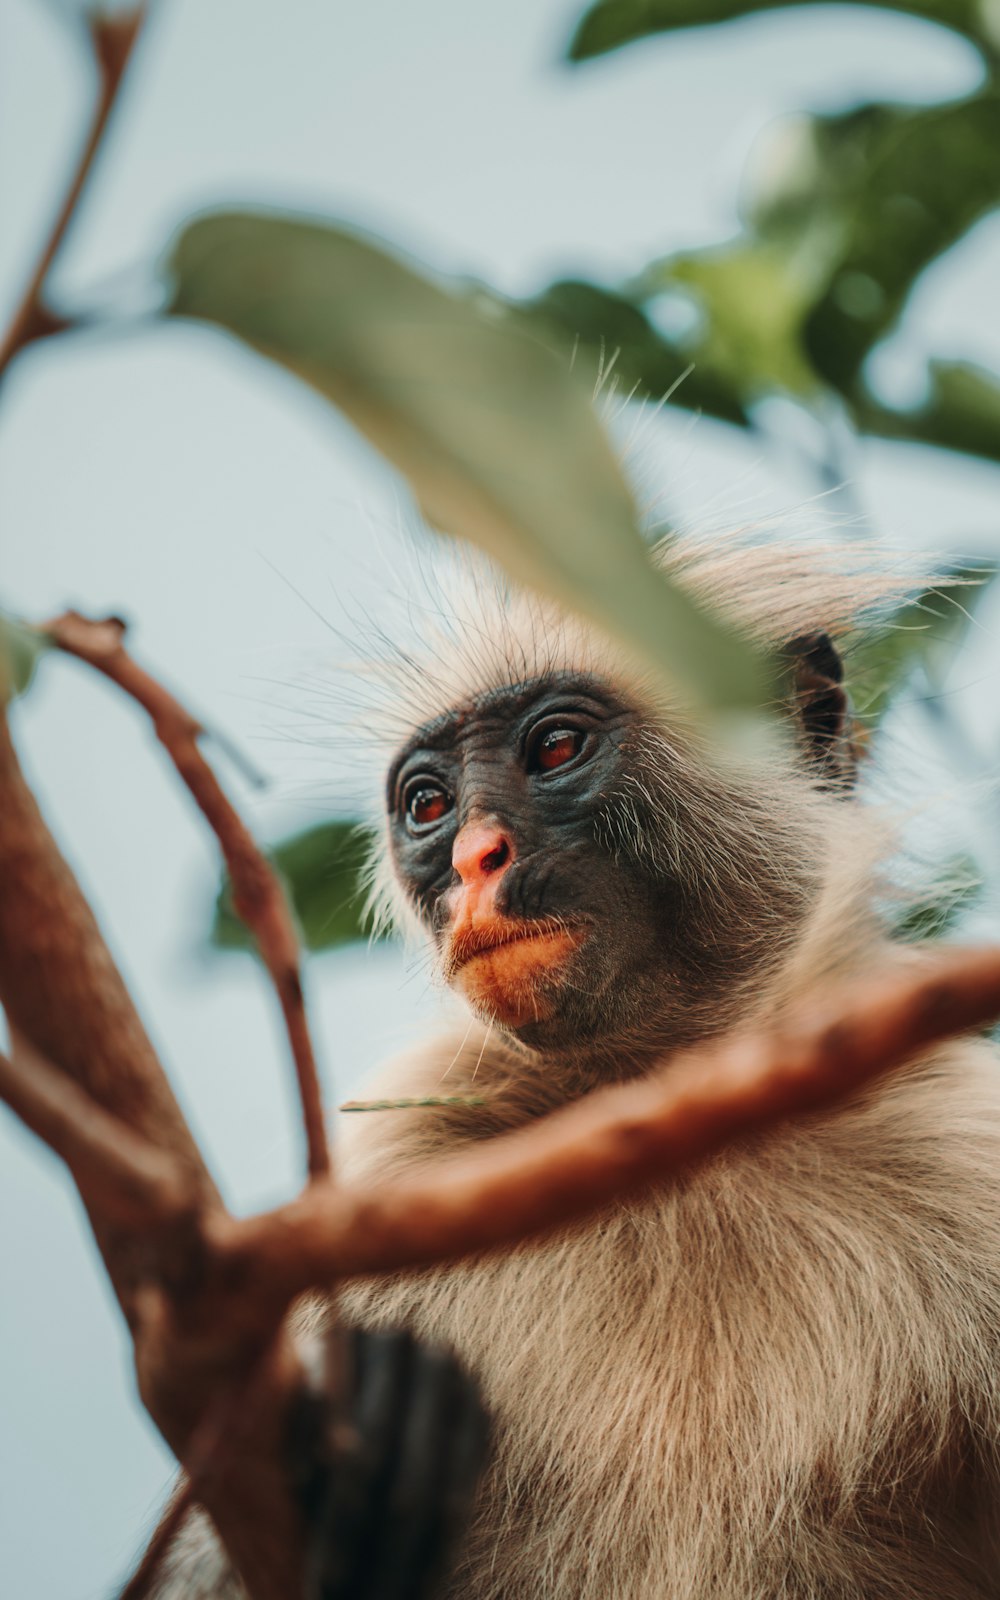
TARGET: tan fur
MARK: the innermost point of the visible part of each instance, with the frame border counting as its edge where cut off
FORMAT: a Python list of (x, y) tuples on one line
[(777, 1379)]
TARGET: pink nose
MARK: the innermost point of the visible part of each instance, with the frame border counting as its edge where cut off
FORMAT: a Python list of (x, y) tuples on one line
[(481, 850)]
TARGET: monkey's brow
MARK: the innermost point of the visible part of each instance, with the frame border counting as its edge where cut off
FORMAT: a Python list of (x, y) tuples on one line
[(507, 700)]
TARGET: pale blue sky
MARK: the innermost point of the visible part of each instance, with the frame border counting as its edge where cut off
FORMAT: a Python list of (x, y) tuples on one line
[(166, 475)]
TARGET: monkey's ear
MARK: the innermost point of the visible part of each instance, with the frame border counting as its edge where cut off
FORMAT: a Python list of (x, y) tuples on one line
[(821, 706)]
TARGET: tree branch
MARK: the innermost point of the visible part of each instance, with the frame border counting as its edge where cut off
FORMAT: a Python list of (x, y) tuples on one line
[(112, 39), (89, 1063), (61, 990), (122, 1179), (575, 1161), (258, 894)]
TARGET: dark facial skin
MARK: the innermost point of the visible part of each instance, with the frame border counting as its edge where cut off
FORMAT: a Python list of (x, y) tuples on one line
[(538, 767)]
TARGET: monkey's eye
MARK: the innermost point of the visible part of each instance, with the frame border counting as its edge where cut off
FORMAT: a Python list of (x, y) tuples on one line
[(425, 803), (551, 746)]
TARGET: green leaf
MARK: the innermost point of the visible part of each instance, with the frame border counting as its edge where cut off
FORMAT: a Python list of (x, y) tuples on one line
[(753, 296), (612, 23), (747, 300), (497, 437), (21, 647), (862, 203), (605, 324), (323, 870), (926, 633), (961, 411), (835, 241), (899, 185)]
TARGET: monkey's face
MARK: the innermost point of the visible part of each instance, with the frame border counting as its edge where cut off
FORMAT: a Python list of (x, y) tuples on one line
[(504, 836), (494, 809)]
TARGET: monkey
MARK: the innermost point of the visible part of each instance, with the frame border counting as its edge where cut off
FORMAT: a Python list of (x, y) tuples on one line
[(775, 1376)]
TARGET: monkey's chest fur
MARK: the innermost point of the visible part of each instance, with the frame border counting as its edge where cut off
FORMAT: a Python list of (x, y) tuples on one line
[(776, 1381)]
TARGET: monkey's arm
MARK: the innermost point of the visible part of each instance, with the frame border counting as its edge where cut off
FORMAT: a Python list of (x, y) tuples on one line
[(390, 1486), (386, 1481)]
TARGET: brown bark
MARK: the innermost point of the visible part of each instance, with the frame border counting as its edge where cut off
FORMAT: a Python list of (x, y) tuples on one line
[(86, 1079), (61, 990)]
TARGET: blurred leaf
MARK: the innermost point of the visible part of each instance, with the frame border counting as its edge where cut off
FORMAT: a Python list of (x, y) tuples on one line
[(857, 206), (901, 184), (606, 324), (611, 23), (497, 438), (20, 649), (753, 295), (845, 214), (958, 888), (703, 372), (925, 633), (961, 412), (747, 302), (323, 872)]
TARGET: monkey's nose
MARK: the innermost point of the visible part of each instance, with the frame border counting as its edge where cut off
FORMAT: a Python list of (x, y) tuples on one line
[(481, 850)]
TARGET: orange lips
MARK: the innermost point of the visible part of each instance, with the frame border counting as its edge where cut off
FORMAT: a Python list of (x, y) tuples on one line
[(498, 964)]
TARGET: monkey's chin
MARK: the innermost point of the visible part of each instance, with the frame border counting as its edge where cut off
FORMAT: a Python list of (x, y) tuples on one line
[(517, 983)]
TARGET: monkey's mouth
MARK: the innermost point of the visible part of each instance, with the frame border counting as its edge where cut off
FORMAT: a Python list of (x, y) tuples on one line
[(509, 970), (499, 934)]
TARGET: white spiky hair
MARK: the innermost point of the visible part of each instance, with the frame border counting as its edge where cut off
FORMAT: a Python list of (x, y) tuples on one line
[(468, 630)]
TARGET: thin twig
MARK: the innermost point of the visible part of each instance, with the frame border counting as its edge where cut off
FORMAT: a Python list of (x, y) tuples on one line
[(258, 895), (112, 40)]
